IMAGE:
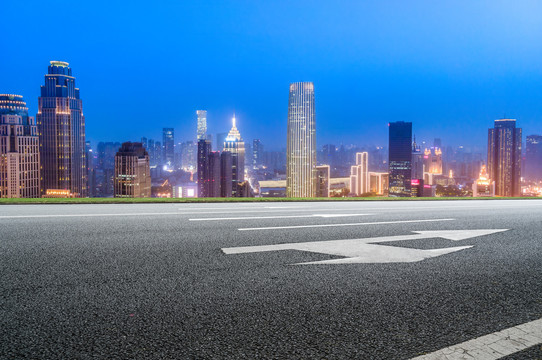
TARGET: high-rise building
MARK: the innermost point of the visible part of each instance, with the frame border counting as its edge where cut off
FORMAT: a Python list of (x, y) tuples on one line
[(202, 125), (220, 140), (257, 153), (61, 127), (504, 157), (132, 171), (359, 175), (214, 179), (168, 143), (484, 186), (188, 156), (226, 175), (105, 168), (236, 146), (417, 161), (432, 161), (19, 150), (533, 166), (301, 141), (91, 170), (400, 158), (322, 181), (204, 149)]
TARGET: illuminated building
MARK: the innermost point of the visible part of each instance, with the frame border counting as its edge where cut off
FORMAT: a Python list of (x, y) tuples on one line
[(359, 175), (533, 166), (132, 171), (105, 168), (432, 161), (301, 141), (236, 146), (58, 193), (91, 170), (188, 156), (504, 157), (202, 124), (19, 150), (322, 181), (168, 143), (484, 186), (378, 183), (417, 161), (61, 127), (204, 149), (400, 158)]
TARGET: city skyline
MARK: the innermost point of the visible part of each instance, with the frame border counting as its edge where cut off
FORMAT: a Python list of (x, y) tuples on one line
[(430, 76)]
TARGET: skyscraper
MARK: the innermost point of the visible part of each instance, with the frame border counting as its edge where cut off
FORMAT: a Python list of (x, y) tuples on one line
[(504, 157), (202, 124), (257, 153), (132, 171), (301, 141), (236, 146), (168, 143), (400, 158), (359, 175), (533, 159), (204, 149), (61, 126), (19, 150)]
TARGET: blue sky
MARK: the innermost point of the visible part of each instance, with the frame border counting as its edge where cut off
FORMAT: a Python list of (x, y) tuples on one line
[(450, 67)]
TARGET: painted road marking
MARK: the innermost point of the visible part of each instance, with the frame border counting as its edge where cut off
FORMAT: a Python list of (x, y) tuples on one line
[(366, 251), (257, 211), (493, 346), (83, 215), (278, 217), (349, 224)]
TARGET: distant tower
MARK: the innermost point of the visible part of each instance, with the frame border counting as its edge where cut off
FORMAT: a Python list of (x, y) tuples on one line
[(168, 143), (204, 149), (533, 159), (504, 157), (202, 124), (301, 141), (61, 126), (400, 158), (236, 146), (19, 150), (359, 175), (132, 171), (257, 153)]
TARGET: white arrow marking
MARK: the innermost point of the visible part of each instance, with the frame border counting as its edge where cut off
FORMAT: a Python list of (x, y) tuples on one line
[(363, 250), (277, 217)]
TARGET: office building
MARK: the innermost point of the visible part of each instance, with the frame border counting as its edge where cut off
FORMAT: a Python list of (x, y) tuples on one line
[(132, 171), (236, 146), (484, 186), (301, 141), (400, 159), (432, 161), (359, 175), (61, 127), (168, 144), (213, 177), (504, 157), (257, 154), (202, 125), (19, 150), (533, 166), (204, 149), (105, 168), (417, 161), (322, 181), (226, 176)]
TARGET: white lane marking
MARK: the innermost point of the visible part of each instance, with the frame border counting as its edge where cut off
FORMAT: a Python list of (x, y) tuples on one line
[(366, 251), (259, 211), (349, 224), (225, 208), (83, 215), (493, 346), (278, 217)]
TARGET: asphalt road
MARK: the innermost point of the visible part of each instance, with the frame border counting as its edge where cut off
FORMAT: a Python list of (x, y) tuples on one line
[(156, 281)]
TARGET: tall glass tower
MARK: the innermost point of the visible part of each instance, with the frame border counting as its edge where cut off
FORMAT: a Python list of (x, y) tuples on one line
[(61, 127), (400, 158), (168, 143), (504, 157), (301, 142), (236, 146), (202, 124)]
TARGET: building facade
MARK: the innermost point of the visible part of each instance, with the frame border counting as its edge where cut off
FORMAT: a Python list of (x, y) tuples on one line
[(322, 181), (19, 150), (504, 157), (202, 124), (204, 149), (359, 175), (400, 158), (61, 127), (236, 146), (533, 166), (168, 144), (301, 141), (132, 171)]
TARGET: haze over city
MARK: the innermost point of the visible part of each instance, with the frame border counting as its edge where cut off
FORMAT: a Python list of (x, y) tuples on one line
[(140, 68)]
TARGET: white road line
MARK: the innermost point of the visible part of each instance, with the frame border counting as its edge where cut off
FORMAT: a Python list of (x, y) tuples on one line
[(259, 211), (83, 215), (349, 224), (493, 346), (278, 217), (241, 207)]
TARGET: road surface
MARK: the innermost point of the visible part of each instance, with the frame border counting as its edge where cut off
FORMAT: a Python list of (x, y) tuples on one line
[(272, 280)]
